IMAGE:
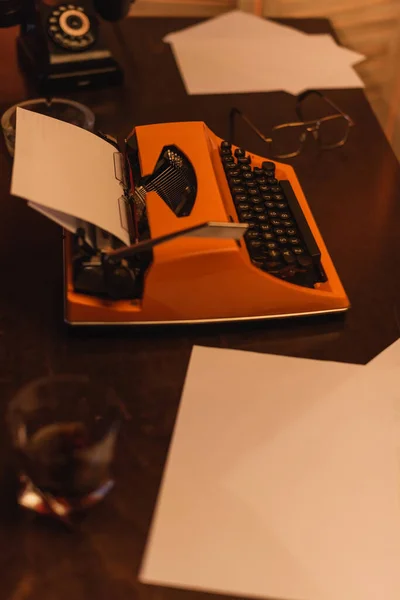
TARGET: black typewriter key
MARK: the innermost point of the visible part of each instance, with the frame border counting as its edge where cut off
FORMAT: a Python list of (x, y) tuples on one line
[(225, 144), (249, 223), (304, 261), (252, 235), (264, 189), (283, 240), (252, 192), (275, 222), (267, 197), (271, 245), (251, 183), (265, 227), (257, 171), (231, 167), (255, 199), (258, 255), (274, 253), (279, 231), (245, 169), (243, 206), (241, 198), (247, 176), (235, 180), (234, 173), (226, 153), (298, 250), (287, 223), (238, 190), (268, 166), (274, 189), (291, 231), (228, 159), (279, 197), (252, 226), (288, 257), (272, 181), (268, 236), (257, 262), (239, 152), (269, 205), (272, 266), (294, 241), (262, 218), (246, 215), (273, 213), (255, 244), (284, 215), (257, 252), (244, 160), (261, 180), (258, 209), (281, 205)]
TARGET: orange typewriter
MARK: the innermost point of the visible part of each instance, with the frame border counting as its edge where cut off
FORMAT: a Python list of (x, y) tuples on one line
[(181, 227), (217, 234)]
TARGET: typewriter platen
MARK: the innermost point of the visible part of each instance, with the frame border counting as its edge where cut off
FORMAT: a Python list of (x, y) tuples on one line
[(177, 176)]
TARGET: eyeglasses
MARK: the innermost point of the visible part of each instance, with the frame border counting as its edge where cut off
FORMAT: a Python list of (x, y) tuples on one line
[(287, 140)]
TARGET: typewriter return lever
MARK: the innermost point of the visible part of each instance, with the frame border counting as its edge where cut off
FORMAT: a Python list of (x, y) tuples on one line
[(209, 229), (120, 280)]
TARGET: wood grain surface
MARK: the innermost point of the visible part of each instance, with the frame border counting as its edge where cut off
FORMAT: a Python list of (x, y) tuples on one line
[(354, 193)]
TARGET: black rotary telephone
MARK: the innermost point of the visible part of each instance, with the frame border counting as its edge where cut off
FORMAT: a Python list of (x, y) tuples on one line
[(60, 46)]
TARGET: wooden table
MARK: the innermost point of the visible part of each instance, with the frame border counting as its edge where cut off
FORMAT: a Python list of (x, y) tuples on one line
[(354, 193)]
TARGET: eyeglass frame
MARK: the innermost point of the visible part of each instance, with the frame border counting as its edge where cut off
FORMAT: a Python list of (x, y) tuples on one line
[(311, 127)]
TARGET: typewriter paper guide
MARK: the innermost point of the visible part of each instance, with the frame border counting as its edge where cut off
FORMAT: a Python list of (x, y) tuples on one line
[(68, 170)]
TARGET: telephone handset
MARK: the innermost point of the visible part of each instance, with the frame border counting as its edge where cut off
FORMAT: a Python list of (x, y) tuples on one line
[(60, 46)]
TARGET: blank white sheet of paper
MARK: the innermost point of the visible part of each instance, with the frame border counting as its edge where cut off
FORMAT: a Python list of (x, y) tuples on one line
[(235, 24), (242, 26), (281, 481), (68, 170), (219, 66), (211, 59), (324, 43), (390, 357)]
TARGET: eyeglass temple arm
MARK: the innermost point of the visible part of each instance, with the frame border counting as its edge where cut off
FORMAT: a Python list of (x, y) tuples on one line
[(231, 134), (307, 93)]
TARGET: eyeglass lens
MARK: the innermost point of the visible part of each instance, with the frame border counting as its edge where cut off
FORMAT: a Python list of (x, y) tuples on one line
[(288, 139), (333, 131)]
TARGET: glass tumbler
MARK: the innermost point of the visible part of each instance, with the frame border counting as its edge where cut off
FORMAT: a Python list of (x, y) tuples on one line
[(64, 430)]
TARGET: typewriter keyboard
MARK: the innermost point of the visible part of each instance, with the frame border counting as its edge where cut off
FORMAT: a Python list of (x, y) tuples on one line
[(279, 239)]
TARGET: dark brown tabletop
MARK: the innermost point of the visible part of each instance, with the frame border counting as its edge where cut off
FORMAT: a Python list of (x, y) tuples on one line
[(354, 193)]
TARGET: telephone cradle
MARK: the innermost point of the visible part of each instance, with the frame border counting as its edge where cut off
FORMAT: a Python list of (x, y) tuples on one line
[(217, 234)]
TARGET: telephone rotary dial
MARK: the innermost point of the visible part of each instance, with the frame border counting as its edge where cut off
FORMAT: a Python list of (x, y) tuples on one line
[(71, 28)]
